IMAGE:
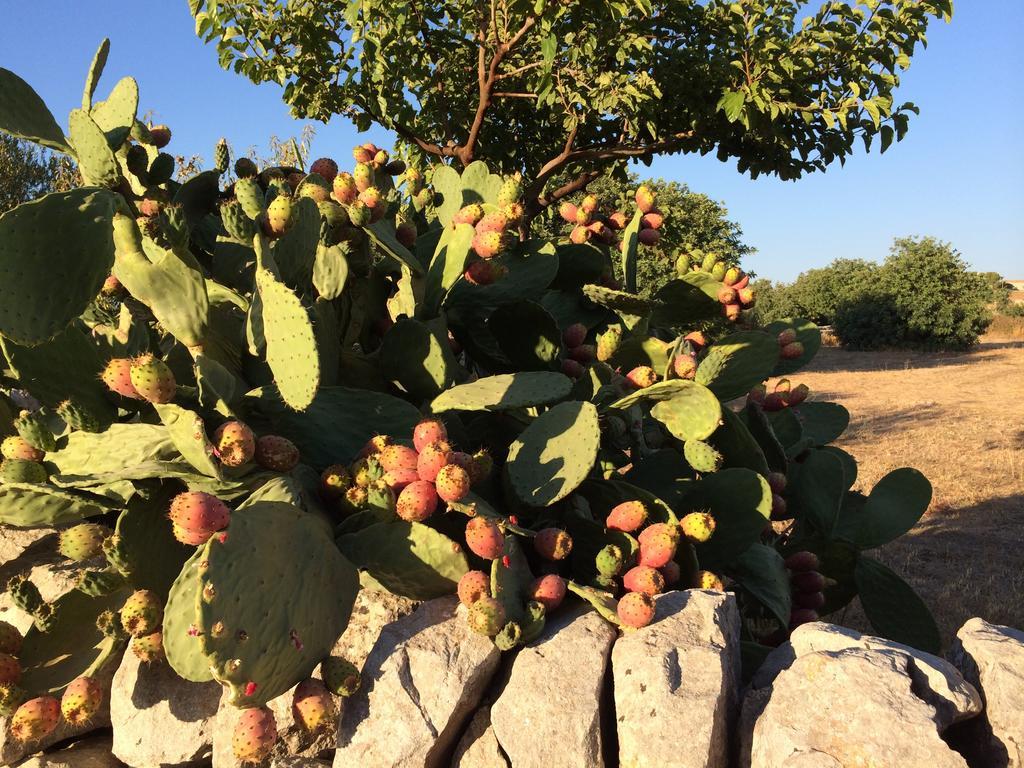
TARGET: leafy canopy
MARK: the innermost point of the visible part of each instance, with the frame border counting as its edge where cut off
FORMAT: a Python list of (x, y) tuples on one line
[(548, 87)]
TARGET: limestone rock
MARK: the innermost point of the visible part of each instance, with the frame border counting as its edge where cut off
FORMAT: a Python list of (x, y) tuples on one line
[(479, 747), (549, 714), (853, 707), (161, 720), (422, 680), (679, 675), (992, 657), (373, 610), (93, 752)]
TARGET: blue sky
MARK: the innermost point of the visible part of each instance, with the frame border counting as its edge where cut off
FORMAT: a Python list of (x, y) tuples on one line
[(959, 174)]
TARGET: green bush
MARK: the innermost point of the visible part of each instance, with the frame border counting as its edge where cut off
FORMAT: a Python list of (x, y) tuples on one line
[(870, 321)]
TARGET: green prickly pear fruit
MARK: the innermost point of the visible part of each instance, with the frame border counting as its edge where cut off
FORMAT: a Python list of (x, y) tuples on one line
[(405, 233), (312, 705), (84, 541), (610, 560), (278, 217), (428, 431), (643, 578), (486, 616), (644, 199), (552, 544), (21, 471), (452, 482), (324, 167), (17, 447), (627, 516), (511, 190), (100, 583), (574, 335), (397, 456), (509, 637), (141, 613), (221, 156), (245, 168), (683, 264), (344, 187), (472, 586), (357, 497), (417, 501), (697, 526), (276, 453), (32, 428), (548, 590), (800, 562), (432, 458), (340, 676), (152, 379), (671, 572), (234, 444), (413, 180), (198, 515), (635, 609), (685, 366), (708, 263), (718, 270), (732, 276), (11, 697), (81, 700), (149, 648), (488, 244), (702, 456), (77, 417), (362, 176), (484, 538), (589, 204), (708, 580), (358, 213), (608, 343), (236, 222), (10, 639), (255, 735), (334, 481), (10, 669), (35, 719), (642, 376)]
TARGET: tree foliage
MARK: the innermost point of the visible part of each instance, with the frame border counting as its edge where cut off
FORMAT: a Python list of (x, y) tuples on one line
[(28, 171), (553, 89), (817, 294)]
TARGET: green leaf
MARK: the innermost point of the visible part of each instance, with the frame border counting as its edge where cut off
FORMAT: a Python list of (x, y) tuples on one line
[(893, 607), (732, 103)]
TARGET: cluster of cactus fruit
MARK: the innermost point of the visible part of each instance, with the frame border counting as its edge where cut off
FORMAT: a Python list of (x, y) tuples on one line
[(248, 393)]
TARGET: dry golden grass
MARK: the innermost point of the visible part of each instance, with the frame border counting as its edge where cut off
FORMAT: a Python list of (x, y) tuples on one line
[(1006, 327), (959, 418)]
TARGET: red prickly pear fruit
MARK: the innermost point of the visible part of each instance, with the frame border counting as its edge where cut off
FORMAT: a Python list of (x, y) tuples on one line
[(276, 453), (697, 339), (370, 197), (334, 481), (464, 460), (364, 153), (452, 482), (732, 276), (649, 236), (774, 401), (344, 187), (481, 467), (697, 526), (572, 369), (552, 544), (340, 676), (726, 295), (492, 222), (277, 219), (484, 538), (17, 447), (10, 669), (808, 581), (636, 609), (398, 457), (645, 199), (10, 639), (797, 394), (234, 444), (488, 244), (617, 220), (484, 272), (799, 562), (671, 573), (486, 616), (374, 445), (742, 283), (312, 705), (642, 376), (470, 214), (802, 616), (398, 479), (117, 376), (325, 167), (657, 550), (35, 719), (417, 501), (160, 135), (141, 613), (757, 394), (708, 580), (149, 648), (428, 431), (685, 366), (652, 220), (405, 233), (777, 481), (568, 212), (583, 354), (812, 600), (81, 700), (746, 297), (779, 508), (659, 529), (732, 312), (579, 235), (362, 175), (152, 379), (82, 542), (548, 590), (432, 458), (198, 511), (787, 336), (627, 516), (472, 586), (643, 578), (255, 735), (191, 538), (574, 335)]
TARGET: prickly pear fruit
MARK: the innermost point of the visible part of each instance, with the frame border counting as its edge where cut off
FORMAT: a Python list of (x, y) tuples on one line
[(10, 669), (802, 561), (397, 479), (812, 600), (432, 458), (32, 429), (77, 417), (636, 609), (17, 447), (797, 394), (572, 369), (35, 719), (608, 343), (277, 219), (417, 501), (492, 222), (777, 481), (84, 541), (334, 481), (340, 676), (552, 544), (779, 508), (652, 220), (685, 366), (472, 586), (11, 697), (117, 376), (574, 335), (488, 244), (234, 443), (708, 580), (452, 482), (470, 214), (808, 581), (644, 199), (428, 431), (325, 167), (649, 236), (81, 700), (484, 538), (643, 578), (627, 516), (276, 453), (149, 648), (344, 187), (405, 233), (642, 376), (802, 616), (481, 467), (787, 336), (792, 351), (610, 560), (483, 272), (141, 613), (656, 550), (21, 471), (486, 616), (697, 526), (255, 735), (548, 590), (568, 212), (199, 514), (245, 168), (152, 379), (671, 573), (312, 705), (398, 457), (579, 235), (10, 639)]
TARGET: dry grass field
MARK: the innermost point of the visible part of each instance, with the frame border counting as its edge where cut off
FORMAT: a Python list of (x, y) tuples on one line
[(959, 418)]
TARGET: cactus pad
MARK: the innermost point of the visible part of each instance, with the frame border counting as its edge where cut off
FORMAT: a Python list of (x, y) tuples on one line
[(505, 392), (291, 342), (181, 640), (23, 114), (26, 505), (738, 362), (693, 413), (414, 356), (96, 161)]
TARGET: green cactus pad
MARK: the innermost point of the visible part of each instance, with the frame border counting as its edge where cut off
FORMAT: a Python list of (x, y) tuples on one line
[(757, 422), (663, 473), (893, 608), (295, 252), (737, 446), (510, 584), (554, 454), (603, 602), (893, 507), (25, 115), (446, 267), (822, 422), (27, 505), (531, 268), (762, 572), (418, 359), (622, 302), (96, 161), (382, 233), (735, 364), (656, 393), (188, 434), (99, 61), (692, 413), (249, 194), (55, 253), (807, 333), (447, 186), (578, 265), (642, 350), (408, 559), (527, 335), (330, 271), (181, 640), (283, 593), (116, 115), (682, 304), (630, 243), (819, 490), (740, 501), (291, 342), (505, 392), (701, 456), (145, 544), (479, 185), (124, 451)]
